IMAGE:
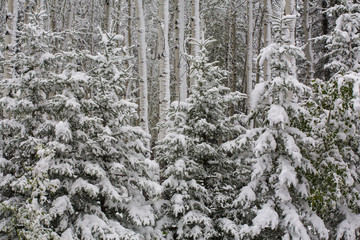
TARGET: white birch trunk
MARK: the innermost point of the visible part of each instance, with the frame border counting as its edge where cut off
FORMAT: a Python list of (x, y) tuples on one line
[(164, 63), (129, 44), (92, 27), (70, 15), (118, 25), (267, 37), (195, 23), (143, 87), (249, 53), (308, 48), (41, 8), (180, 63), (108, 13), (290, 10), (10, 35)]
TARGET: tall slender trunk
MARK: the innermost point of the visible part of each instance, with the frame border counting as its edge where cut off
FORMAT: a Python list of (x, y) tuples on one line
[(180, 63), (143, 86), (290, 10), (10, 35), (308, 48), (118, 25), (267, 37), (164, 63), (249, 53), (92, 27), (129, 43), (108, 15), (195, 28)]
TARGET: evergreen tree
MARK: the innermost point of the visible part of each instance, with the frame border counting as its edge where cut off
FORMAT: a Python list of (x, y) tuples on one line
[(74, 165), (273, 202), (191, 156), (336, 108)]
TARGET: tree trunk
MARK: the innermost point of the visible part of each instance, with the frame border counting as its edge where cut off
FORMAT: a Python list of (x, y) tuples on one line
[(129, 44), (108, 14), (118, 25), (308, 48), (180, 63), (164, 63), (267, 36), (10, 35), (195, 33), (92, 27), (143, 85), (290, 10), (249, 53)]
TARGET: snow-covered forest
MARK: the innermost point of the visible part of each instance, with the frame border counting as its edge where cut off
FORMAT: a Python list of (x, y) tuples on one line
[(182, 119)]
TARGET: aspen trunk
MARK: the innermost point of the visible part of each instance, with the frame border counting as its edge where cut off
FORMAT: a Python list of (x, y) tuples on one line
[(118, 25), (180, 63), (10, 35), (195, 28), (164, 63), (249, 53), (290, 10), (267, 37), (143, 87), (92, 28), (108, 13), (308, 48)]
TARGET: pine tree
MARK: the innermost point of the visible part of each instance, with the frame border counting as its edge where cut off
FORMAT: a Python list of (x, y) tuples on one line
[(74, 164), (336, 109), (273, 202), (191, 153)]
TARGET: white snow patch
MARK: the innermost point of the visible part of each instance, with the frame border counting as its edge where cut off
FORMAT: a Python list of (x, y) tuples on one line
[(62, 131), (277, 114)]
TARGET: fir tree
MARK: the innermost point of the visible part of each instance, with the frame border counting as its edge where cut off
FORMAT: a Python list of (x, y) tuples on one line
[(273, 203), (191, 154), (74, 165), (336, 108)]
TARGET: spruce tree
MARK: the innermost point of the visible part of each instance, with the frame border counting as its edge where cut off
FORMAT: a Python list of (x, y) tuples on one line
[(191, 156), (74, 164), (336, 108), (273, 202)]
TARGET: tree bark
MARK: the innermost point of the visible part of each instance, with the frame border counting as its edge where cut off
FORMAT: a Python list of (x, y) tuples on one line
[(10, 35), (290, 10), (143, 85), (164, 63), (195, 33), (108, 15), (267, 36), (249, 53), (180, 63), (308, 47)]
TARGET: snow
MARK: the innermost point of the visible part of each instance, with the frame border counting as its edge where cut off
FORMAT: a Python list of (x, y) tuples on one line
[(94, 170), (349, 227), (141, 214), (257, 93), (319, 226), (293, 222), (60, 205), (62, 131), (277, 115), (265, 143), (82, 185), (178, 204), (288, 174), (246, 196), (265, 217)]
